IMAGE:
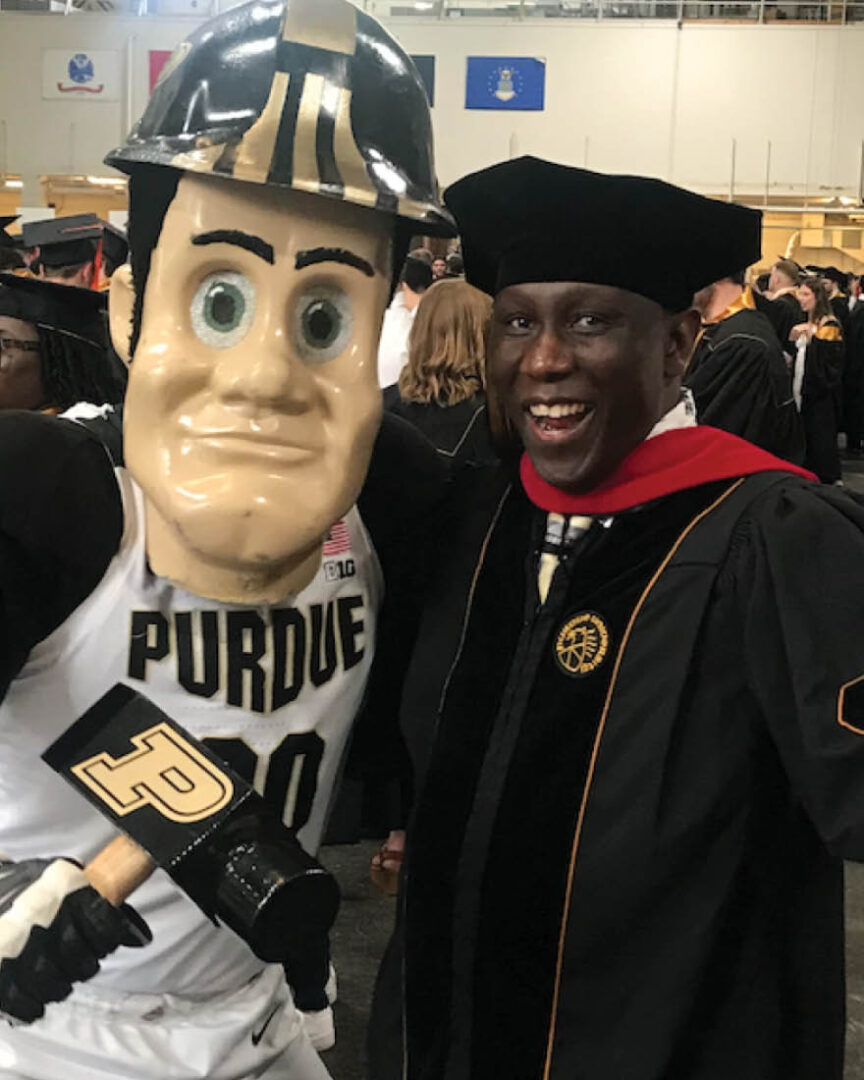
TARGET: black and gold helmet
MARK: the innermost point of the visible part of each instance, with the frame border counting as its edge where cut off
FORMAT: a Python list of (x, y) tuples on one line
[(307, 94)]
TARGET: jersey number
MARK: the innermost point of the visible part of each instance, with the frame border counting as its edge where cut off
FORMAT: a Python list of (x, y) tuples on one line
[(290, 778)]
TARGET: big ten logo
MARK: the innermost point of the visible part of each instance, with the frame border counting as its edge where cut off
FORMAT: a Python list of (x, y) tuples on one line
[(163, 771), (339, 569), (257, 660)]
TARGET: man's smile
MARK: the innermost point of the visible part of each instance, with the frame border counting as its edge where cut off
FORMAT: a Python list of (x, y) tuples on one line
[(557, 420)]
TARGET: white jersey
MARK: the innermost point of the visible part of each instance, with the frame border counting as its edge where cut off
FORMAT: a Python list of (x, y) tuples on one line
[(274, 690)]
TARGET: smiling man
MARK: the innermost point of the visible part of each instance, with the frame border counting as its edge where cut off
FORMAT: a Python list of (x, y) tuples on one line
[(234, 570), (636, 706)]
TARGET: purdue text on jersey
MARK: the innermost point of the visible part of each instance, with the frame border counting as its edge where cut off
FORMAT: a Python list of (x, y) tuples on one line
[(257, 659)]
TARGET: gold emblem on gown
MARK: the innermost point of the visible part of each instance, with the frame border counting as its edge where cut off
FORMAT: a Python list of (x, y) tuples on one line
[(582, 644)]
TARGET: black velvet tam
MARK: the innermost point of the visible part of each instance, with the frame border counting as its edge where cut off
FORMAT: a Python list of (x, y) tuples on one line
[(530, 220), (65, 309)]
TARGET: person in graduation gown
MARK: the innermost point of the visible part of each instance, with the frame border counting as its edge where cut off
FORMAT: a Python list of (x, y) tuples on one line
[(68, 249), (636, 704), (783, 285), (441, 388), (853, 384), (739, 376), (836, 284), (818, 380), (54, 342)]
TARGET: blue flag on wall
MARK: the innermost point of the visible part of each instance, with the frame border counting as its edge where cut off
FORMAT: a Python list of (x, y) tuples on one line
[(426, 66), (506, 82)]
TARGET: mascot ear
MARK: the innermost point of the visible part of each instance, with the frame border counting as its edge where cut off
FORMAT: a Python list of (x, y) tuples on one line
[(121, 303)]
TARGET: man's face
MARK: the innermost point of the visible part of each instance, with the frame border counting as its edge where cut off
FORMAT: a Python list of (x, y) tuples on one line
[(439, 268), (253, 401), (583, 372), (20, 368)]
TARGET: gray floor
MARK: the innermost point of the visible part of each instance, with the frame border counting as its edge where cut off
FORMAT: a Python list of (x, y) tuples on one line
[(366, 918), (364, 927), (361, 933)]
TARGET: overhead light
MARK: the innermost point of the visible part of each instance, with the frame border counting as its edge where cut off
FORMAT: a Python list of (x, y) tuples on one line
[(105, 181), (421, 6), (14, 183)]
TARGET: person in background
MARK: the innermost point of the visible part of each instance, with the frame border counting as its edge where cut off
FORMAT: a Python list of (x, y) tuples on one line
[(817, 379), (115, 252), (738, 375), (10, 256), (853, 379), (53, 347), (455, 265), (399, 317), (854, 291), (439, 268), (783, 285), (441, 388), (441, 391), (422, 253), (836, 283), (68, 249), (760, 285)]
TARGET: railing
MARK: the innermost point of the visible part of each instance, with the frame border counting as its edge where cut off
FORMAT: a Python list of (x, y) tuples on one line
[(740, 11), (763, 11)]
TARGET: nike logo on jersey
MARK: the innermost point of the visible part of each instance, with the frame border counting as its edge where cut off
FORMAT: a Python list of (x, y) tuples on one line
[(257, 661), (257, 1036)]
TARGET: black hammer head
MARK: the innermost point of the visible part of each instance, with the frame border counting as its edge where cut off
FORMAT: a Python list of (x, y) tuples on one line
[(198, 820)]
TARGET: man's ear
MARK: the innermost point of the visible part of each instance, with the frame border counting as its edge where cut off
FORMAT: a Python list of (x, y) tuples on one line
[(683, 333), (121, 302)]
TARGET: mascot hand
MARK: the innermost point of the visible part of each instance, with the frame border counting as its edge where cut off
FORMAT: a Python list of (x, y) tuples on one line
[(54, 930)]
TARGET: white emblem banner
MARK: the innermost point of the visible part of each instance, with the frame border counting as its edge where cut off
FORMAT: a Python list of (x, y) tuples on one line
[(73, 75)]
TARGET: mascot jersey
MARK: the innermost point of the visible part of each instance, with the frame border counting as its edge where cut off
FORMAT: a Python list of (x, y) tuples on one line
[(274, 690)]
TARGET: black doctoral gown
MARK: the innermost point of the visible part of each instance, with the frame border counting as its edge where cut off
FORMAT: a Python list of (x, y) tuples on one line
[(822, 400), (625, 858), (853, 378), (741, 383), (782, 318)]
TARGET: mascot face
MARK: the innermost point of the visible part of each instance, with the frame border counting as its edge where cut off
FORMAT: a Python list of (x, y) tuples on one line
[(253, 400)]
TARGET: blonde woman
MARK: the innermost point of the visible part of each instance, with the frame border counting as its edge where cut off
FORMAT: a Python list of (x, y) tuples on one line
[(440, 391), (441, 388)]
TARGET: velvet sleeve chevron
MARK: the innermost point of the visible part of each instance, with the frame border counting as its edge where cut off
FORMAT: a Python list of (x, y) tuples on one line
[(800, 582)]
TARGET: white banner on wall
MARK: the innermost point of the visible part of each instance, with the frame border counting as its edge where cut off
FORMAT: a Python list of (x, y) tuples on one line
[(75, 75)]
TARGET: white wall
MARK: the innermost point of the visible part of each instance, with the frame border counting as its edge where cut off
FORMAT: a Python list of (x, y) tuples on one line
[(630, 96)]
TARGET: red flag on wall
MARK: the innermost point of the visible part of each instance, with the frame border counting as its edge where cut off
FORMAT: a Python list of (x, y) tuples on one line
[(158, 60)]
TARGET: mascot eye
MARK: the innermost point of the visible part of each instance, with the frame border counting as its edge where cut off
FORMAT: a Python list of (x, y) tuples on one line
[(324, 323), (223, 309)]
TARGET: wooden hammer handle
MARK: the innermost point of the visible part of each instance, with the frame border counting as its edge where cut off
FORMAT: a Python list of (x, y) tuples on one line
[(118, 869)]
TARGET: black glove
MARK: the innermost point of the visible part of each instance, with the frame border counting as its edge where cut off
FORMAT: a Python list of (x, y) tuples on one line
[(54, 930)]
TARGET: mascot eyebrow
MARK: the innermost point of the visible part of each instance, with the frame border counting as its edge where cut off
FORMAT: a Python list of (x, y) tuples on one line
[(254, 244), (340, 255), (264, 250)]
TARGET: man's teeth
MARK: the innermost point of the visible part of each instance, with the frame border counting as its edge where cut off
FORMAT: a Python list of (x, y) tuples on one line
[(555, 412)]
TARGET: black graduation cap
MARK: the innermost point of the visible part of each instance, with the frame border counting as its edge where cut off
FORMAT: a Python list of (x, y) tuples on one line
[(6, 240), (63, 309), (837, 276), (115, 246), (64, 241), (530, 220)]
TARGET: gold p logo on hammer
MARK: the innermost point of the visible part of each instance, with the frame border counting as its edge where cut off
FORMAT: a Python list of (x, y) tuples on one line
[(164, 771)]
